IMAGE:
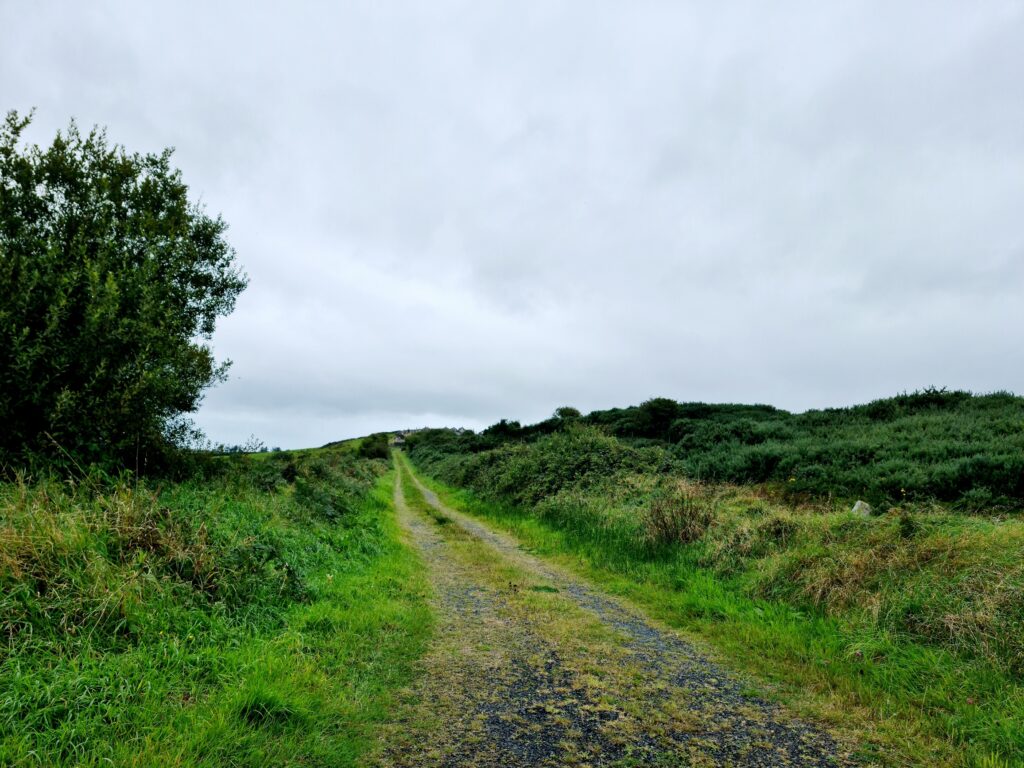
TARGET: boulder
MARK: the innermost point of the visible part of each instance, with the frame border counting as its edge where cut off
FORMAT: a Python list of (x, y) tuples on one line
[(862, 508)]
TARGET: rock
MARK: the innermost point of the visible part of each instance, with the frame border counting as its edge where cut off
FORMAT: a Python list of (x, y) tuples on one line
[(862, 508)]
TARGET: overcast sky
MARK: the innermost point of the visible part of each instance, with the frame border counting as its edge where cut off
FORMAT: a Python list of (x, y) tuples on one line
[(453, 212)]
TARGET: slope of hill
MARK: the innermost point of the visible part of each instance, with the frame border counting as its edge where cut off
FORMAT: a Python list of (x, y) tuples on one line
[(934, 444), (914, 610)]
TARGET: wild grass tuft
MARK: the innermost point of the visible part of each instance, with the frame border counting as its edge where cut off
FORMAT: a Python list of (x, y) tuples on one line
[(677, 514)]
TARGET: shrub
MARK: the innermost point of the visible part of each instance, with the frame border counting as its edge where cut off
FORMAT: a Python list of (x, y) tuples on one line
[(374, 447)]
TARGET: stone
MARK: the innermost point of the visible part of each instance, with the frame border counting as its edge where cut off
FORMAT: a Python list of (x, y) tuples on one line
[(862, 508)]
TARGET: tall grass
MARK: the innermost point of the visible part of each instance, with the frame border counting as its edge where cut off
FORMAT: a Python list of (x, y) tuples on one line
[(260, 615)]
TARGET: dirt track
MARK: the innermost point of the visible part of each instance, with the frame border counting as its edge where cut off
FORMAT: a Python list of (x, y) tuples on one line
[(532, 667)]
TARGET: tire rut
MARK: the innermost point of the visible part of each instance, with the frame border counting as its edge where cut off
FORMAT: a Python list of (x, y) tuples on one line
[(514, 678)]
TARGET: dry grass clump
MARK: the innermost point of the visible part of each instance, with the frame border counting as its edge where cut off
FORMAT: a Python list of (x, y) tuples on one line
[(678, 514), (953, 581), (71, 569)]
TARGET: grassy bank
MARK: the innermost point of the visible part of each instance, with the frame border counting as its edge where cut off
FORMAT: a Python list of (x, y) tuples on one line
[(911, 620), (261, 615)]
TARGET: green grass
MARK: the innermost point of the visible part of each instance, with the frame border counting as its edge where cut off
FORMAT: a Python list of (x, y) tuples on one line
[(908, 624), (234, 620)]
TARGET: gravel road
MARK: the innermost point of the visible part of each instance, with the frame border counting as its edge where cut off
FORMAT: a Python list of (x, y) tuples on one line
[(530, 666)]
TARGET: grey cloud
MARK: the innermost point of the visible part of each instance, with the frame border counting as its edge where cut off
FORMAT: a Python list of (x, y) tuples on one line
[(454, 212)]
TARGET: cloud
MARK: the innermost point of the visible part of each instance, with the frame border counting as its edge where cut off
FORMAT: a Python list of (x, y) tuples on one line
[(457, 212)]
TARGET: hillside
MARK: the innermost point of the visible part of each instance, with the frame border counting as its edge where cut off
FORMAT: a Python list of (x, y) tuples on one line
[(615, 587), (912, 612), (934, 444)]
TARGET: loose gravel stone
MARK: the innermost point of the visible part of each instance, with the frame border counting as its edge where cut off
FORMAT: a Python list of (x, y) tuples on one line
[(503, 686)]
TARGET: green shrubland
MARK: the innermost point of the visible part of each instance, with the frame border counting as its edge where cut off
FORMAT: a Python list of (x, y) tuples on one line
[(258, 613), (915, 612), (933, 444)]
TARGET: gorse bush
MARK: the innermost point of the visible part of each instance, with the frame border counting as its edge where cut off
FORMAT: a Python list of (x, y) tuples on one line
[(375, 446), (950, 446), (526, 474)]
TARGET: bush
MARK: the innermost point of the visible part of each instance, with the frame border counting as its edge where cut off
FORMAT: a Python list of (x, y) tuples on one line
[(374, 447), (933, 444)]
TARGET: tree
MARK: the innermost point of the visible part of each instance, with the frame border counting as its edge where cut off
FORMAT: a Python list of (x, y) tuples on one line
[(111, 281), (654, 417), (503, 431), (374, 446), (567, 414)]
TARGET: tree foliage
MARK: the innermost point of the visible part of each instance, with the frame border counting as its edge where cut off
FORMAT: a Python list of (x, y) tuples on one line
[(111, 281), (375, 446)]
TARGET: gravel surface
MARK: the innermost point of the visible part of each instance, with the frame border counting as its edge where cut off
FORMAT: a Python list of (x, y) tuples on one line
[(532, 667)]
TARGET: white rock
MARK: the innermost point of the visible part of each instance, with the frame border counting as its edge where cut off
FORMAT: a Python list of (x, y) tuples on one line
[(862, 508)]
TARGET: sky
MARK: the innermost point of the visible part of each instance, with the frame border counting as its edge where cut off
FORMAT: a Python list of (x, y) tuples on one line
[(455, 212)]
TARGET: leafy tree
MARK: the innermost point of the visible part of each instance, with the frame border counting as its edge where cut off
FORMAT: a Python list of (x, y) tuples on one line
[(502, 431), (111, 281), (567, 413), (654, 417)]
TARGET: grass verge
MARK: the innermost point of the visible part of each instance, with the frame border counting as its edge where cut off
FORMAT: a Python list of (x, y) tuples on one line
[(264, 615)]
